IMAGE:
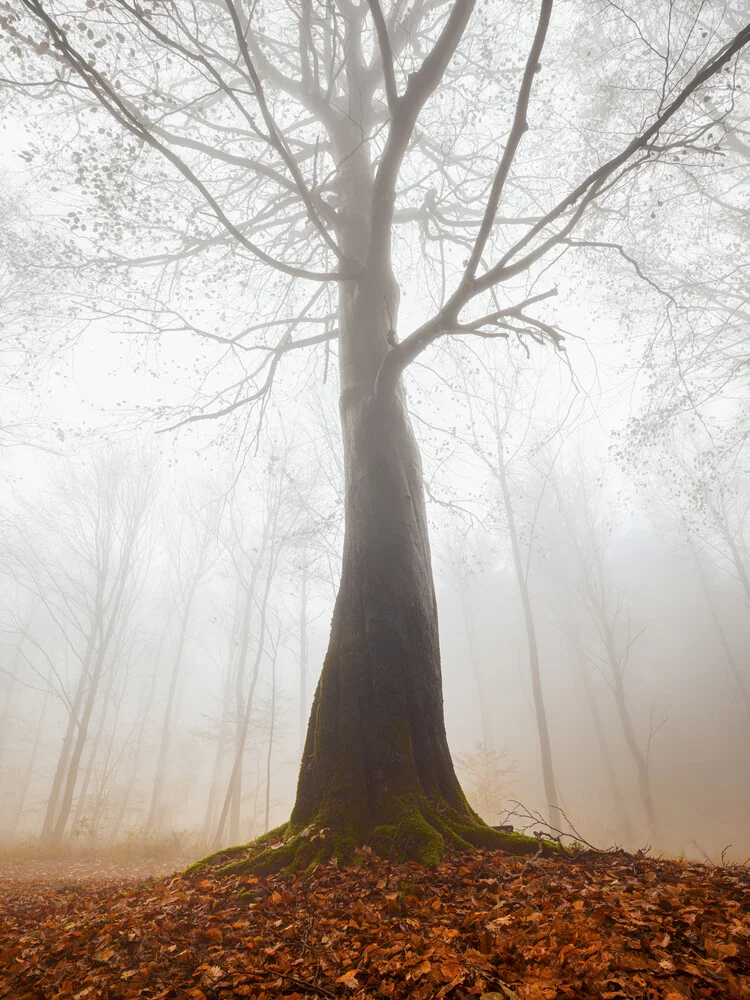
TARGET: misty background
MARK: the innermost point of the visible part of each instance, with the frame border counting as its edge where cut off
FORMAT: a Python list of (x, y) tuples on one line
[(167, 582)]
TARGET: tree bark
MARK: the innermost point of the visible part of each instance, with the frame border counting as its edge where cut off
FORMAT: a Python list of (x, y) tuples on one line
[(376, 748)]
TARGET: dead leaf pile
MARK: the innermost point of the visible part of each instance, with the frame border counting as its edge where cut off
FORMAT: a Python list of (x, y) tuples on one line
[(613, 926)]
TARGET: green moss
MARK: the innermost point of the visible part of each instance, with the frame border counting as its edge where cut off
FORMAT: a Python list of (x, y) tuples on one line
[(344, 845), (211, 858), (265, 862), (410, 836), (273, 836)]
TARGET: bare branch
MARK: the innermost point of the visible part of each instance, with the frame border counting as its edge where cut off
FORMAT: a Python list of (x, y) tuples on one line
[(446, 320), (519, 126), (112, 102), (386, 54), (597, 177), (419, 88), (275, 138)]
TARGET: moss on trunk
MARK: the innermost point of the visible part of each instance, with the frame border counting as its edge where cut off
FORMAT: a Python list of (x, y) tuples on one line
[(415, 831)]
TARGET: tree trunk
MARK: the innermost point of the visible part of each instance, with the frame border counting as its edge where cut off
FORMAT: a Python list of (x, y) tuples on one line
[(601, 738), (485, 710), (153, 819), (639, 757), (88, 771), (271, 727), (24, 783), (554, 815), (720, 631), (376, 765), (8, 701), (63, 759), (234, 789), (233, 798), (75, 757), (135, 770), (216, 773), (303, 654), (376, 768), (376, 762)]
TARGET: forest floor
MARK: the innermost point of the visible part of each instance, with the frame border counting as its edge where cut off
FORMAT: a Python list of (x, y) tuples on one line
[(99, 867), (605, 926)]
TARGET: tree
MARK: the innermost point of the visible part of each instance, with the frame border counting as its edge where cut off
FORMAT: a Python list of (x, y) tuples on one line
[(588, 531), (191, 556), (331, 118), (499, 417), (81, 556)]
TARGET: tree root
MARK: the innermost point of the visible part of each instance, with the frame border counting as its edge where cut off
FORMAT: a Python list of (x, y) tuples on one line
[(417, 831)]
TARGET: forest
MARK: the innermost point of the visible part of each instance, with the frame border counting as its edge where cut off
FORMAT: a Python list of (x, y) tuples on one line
[(375, 471)]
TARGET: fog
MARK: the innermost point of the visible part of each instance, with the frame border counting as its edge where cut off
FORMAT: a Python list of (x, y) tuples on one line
[(173, 488), (203, 592)]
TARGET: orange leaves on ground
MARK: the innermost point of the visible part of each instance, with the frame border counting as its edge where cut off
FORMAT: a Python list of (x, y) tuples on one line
[(613, 926)]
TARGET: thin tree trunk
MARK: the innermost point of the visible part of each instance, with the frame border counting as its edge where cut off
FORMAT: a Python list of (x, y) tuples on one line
[(595, 589), (623, 712), (732, 664), (601, 739), (75, 757), (272, 724), (104, 633), (153, 818), (63, 759), (485, 714), (8, 701), (221, 743), (93, 752), (545, 747), (23, 785), (105, 773), (234, 790), (303, 655), (737, 558), (142, 720)]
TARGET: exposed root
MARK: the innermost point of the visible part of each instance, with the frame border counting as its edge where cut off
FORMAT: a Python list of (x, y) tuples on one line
[(210, 859), (418, 831)]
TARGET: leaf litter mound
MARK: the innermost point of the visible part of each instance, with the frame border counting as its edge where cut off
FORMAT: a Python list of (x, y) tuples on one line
[(597, 925)]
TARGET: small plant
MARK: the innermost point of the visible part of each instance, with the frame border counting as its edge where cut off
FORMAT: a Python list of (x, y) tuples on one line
[(487, 783)]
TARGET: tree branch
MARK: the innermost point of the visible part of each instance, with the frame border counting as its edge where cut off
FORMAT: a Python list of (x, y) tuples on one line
[(118, 109), (386, 54), (446, 320), (519, 126), (275, 138), (597, 177), (419, 88)]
